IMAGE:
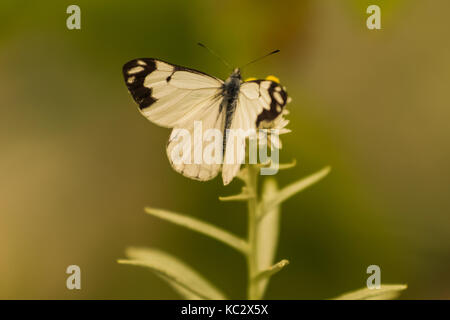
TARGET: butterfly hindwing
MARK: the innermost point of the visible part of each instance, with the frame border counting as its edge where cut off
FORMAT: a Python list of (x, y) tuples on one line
[(198, 167)]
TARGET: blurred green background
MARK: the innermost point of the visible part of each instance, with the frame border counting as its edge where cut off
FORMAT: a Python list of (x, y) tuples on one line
[(78, 162)]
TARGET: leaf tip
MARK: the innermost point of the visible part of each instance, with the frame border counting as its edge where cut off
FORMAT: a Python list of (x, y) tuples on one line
[(326, 170), (284, 263)]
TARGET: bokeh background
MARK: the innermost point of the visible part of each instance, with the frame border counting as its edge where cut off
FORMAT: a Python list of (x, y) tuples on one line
[(78, 162)]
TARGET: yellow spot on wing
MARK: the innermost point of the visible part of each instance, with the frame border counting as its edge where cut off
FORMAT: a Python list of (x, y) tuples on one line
[(273, 78), (250, 79)]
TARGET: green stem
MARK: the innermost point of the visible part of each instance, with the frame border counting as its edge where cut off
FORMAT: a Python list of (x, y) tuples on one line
[(252, 185)]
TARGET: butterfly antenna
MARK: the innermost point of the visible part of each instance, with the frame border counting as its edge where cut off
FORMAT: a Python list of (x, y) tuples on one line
[(215, 54), (260, 58)]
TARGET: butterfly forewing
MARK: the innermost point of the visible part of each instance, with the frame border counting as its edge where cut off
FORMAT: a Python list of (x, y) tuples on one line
[(268, 97), (168, 94)]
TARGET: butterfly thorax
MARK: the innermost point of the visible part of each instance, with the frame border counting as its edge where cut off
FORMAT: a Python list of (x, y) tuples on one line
[(230, 89)]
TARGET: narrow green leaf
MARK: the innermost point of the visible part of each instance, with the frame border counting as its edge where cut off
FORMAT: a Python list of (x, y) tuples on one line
[(267, 233), (185, 293), (264, 164), (269, 272), (386, 292), (179, 275), (201, 227), (284, 166), (236, 197), (243, 196), (294, 188), (281, 166)]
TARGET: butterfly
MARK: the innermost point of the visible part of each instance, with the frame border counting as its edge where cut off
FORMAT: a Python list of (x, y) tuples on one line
[(175, 97)]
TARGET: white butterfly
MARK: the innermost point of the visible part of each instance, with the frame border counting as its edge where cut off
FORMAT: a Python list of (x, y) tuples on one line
[(173, 96)]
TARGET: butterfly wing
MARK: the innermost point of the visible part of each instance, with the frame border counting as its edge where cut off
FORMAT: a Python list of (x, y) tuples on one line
[(167, 94), (194, 139), (264, 98), (258, 101), (175, 97)]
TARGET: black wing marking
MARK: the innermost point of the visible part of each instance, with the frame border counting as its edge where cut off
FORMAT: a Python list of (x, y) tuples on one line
[(135, 80), (278, 100)]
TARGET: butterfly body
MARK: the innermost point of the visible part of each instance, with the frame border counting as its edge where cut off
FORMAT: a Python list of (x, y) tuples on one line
[(230, 93), (177, 97)]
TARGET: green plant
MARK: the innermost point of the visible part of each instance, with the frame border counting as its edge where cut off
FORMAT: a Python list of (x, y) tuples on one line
[(259, 248)]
